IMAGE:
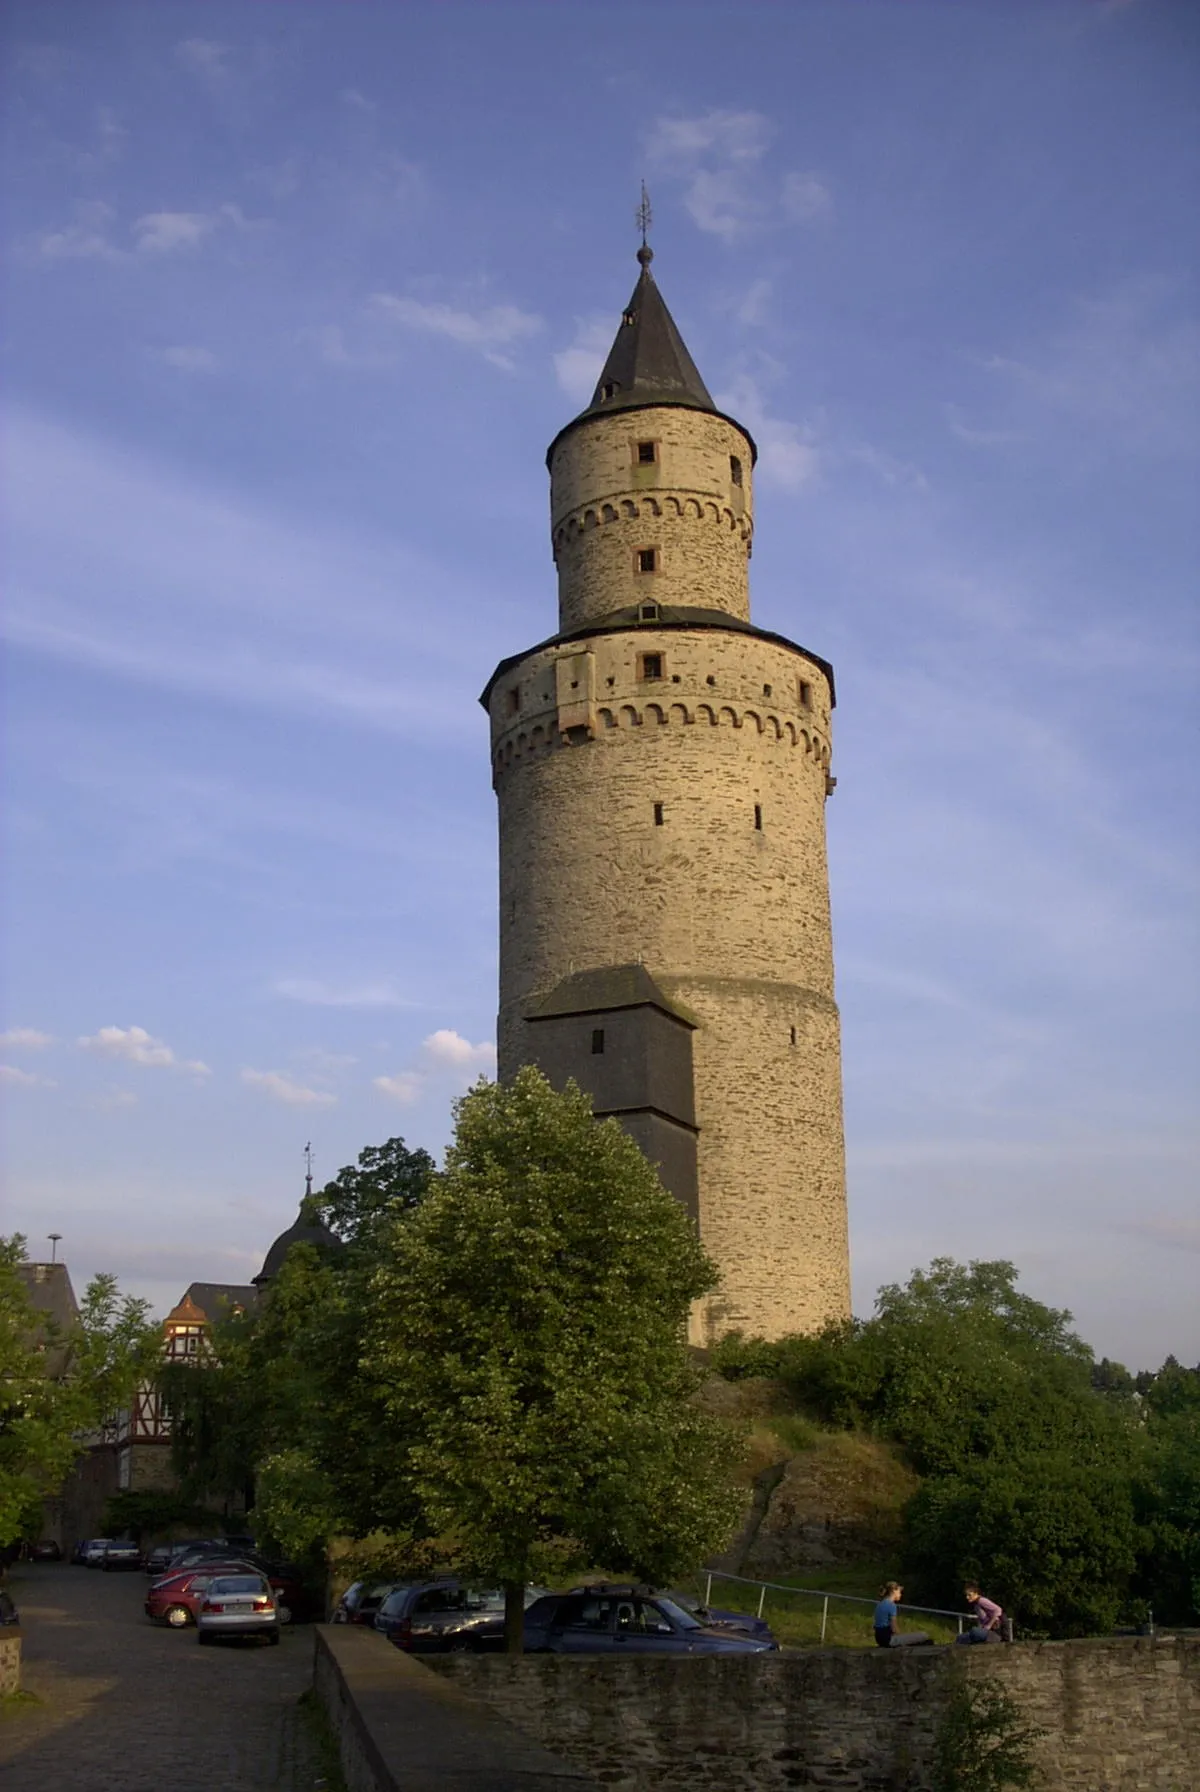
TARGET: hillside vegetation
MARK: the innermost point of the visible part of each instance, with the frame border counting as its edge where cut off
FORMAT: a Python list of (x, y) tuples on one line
[(966, 1430)]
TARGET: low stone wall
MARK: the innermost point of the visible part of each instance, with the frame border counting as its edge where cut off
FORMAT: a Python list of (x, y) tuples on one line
[(401, 1728), (10, 1660), (1120, 1715)]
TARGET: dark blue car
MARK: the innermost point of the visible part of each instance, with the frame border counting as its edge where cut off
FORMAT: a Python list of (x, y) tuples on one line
[(627, 1621)]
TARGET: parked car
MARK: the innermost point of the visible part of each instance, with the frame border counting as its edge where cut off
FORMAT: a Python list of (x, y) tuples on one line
[(713, 1618), (156, 1561), (237, 1605), (359, 1603), (176, 1597), (443, 1616), (122, 1552), (8, 1611), (606, 1620), (93, 1551), (46, 1550)]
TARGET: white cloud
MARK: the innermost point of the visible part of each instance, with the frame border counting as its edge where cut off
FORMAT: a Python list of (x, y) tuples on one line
[(577, 368), (203, 56), (86, 239), (720, 157), (350, 995), (444, 1053), (23, 1079), (351, 96), (188, 357), (25, 1039), (137, 1046), (158, 233), (405, 1087), (788, 458), (113, 1101), (285, 1089), (488, 330), (451, 1049)]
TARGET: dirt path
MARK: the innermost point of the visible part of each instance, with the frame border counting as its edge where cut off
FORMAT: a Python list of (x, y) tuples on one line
[(128, 1707)]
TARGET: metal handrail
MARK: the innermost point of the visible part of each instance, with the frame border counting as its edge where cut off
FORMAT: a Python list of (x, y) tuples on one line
[(775, 1586)]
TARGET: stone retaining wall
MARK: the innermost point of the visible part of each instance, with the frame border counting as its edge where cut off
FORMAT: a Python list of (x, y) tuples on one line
[(10, 1661), (1120, 1715)]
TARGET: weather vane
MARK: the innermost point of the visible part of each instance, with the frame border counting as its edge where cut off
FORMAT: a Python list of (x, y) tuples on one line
[(645, 217), (308, 1164), (54, 1238)]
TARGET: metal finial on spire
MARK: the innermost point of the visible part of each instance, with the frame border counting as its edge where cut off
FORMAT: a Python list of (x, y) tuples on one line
[(308, 1162), (645, 217), (54, 1238)]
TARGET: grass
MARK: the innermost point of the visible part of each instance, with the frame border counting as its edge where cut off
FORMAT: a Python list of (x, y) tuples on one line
[(795, 1618), (324, 1741), (13, 1704)]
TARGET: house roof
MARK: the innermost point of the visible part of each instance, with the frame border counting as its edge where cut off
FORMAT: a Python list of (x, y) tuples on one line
[(603, 989)]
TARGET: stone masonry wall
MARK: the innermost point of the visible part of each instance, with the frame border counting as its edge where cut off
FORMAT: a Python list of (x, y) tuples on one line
[(605, 505), (728, 909), (1119, 1716)]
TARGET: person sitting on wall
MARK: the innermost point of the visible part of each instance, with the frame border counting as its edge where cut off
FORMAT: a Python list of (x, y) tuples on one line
[(887, 1630), (989, 1618)]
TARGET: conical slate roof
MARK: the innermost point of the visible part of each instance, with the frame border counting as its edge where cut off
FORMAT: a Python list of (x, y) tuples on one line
[(648, 362)]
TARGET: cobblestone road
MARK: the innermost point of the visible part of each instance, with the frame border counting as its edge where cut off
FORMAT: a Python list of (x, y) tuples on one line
[(128, 1707)]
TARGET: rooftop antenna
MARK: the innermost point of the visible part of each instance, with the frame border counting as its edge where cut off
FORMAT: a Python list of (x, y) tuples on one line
[(308, 1164), (54, 1238), (644, 218)]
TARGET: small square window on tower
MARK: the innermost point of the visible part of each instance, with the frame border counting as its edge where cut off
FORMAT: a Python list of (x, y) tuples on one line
[(608, 389), (650, 666), (647, 453), (735, 469), (647, 559), (648, 612), (597, 1041), (805, 694)]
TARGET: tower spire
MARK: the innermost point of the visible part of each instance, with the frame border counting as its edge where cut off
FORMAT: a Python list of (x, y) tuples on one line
[(308, 1164), (645, 217)]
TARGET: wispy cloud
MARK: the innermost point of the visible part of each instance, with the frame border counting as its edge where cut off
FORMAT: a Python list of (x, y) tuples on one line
[(340, 995), (94, 234), (443, 1054), (137, 1046), (788, 455), (27, 1039), (23, 1079), (158, 233), (285, 1089), (188, 357), (488, 330), (205, 57), (720, 157), (577, 367)]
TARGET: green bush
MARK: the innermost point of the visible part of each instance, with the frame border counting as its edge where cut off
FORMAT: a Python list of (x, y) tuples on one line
[(983, 1742)]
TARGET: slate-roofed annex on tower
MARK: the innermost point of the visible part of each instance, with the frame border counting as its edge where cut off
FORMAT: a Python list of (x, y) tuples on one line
[(661, 766)]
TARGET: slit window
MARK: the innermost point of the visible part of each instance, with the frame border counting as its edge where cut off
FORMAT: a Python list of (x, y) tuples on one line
[(758, 816), (514, 700), (766, 690), (793, 1035), (647, 453), (651, 666), (805, 694), (658, 815), (647, 559), (598, 1041), (735, 469)]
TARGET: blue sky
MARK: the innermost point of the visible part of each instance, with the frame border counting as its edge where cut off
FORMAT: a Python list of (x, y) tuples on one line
[(296, 296)]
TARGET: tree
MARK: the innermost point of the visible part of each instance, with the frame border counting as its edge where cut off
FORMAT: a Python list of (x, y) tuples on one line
[(388, 1181), (57, 1385), (984, 1742), (1167, 1495), (530, 1343)]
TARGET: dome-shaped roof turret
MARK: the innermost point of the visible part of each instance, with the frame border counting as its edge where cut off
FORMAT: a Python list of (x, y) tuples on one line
[(306, 1229)]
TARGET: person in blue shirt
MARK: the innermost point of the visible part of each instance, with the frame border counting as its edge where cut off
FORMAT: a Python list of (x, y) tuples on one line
[(887, 1631)]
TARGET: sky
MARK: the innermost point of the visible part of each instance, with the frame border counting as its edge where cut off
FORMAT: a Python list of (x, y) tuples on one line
[(295, 297)]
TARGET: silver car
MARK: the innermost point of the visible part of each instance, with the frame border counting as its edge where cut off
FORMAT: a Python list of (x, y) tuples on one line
[(237, 1605)]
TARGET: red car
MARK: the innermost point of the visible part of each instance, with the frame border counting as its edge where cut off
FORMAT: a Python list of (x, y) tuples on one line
[(176, 1598)]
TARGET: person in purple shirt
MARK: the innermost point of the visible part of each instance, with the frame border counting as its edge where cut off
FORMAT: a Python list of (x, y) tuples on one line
[(989, 1618)]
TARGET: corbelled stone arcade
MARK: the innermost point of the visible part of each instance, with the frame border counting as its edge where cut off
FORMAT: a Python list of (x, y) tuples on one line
[(662, 767)]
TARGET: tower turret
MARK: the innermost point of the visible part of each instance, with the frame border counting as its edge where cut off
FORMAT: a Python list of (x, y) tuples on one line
[(650, 486), (661, 767)]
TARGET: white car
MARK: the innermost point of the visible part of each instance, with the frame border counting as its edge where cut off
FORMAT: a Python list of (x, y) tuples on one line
[(238, 1605)]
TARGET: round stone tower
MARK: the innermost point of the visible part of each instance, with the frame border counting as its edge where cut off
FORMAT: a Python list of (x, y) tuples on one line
[(662, 766)]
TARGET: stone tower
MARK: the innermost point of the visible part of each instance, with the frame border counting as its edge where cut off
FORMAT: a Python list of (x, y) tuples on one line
[(662, 766)]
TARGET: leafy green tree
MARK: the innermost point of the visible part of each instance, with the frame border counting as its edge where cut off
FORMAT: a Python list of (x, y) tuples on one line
[(1168, 1495), (530, 1342), (57, 1385), (388, 1181)]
